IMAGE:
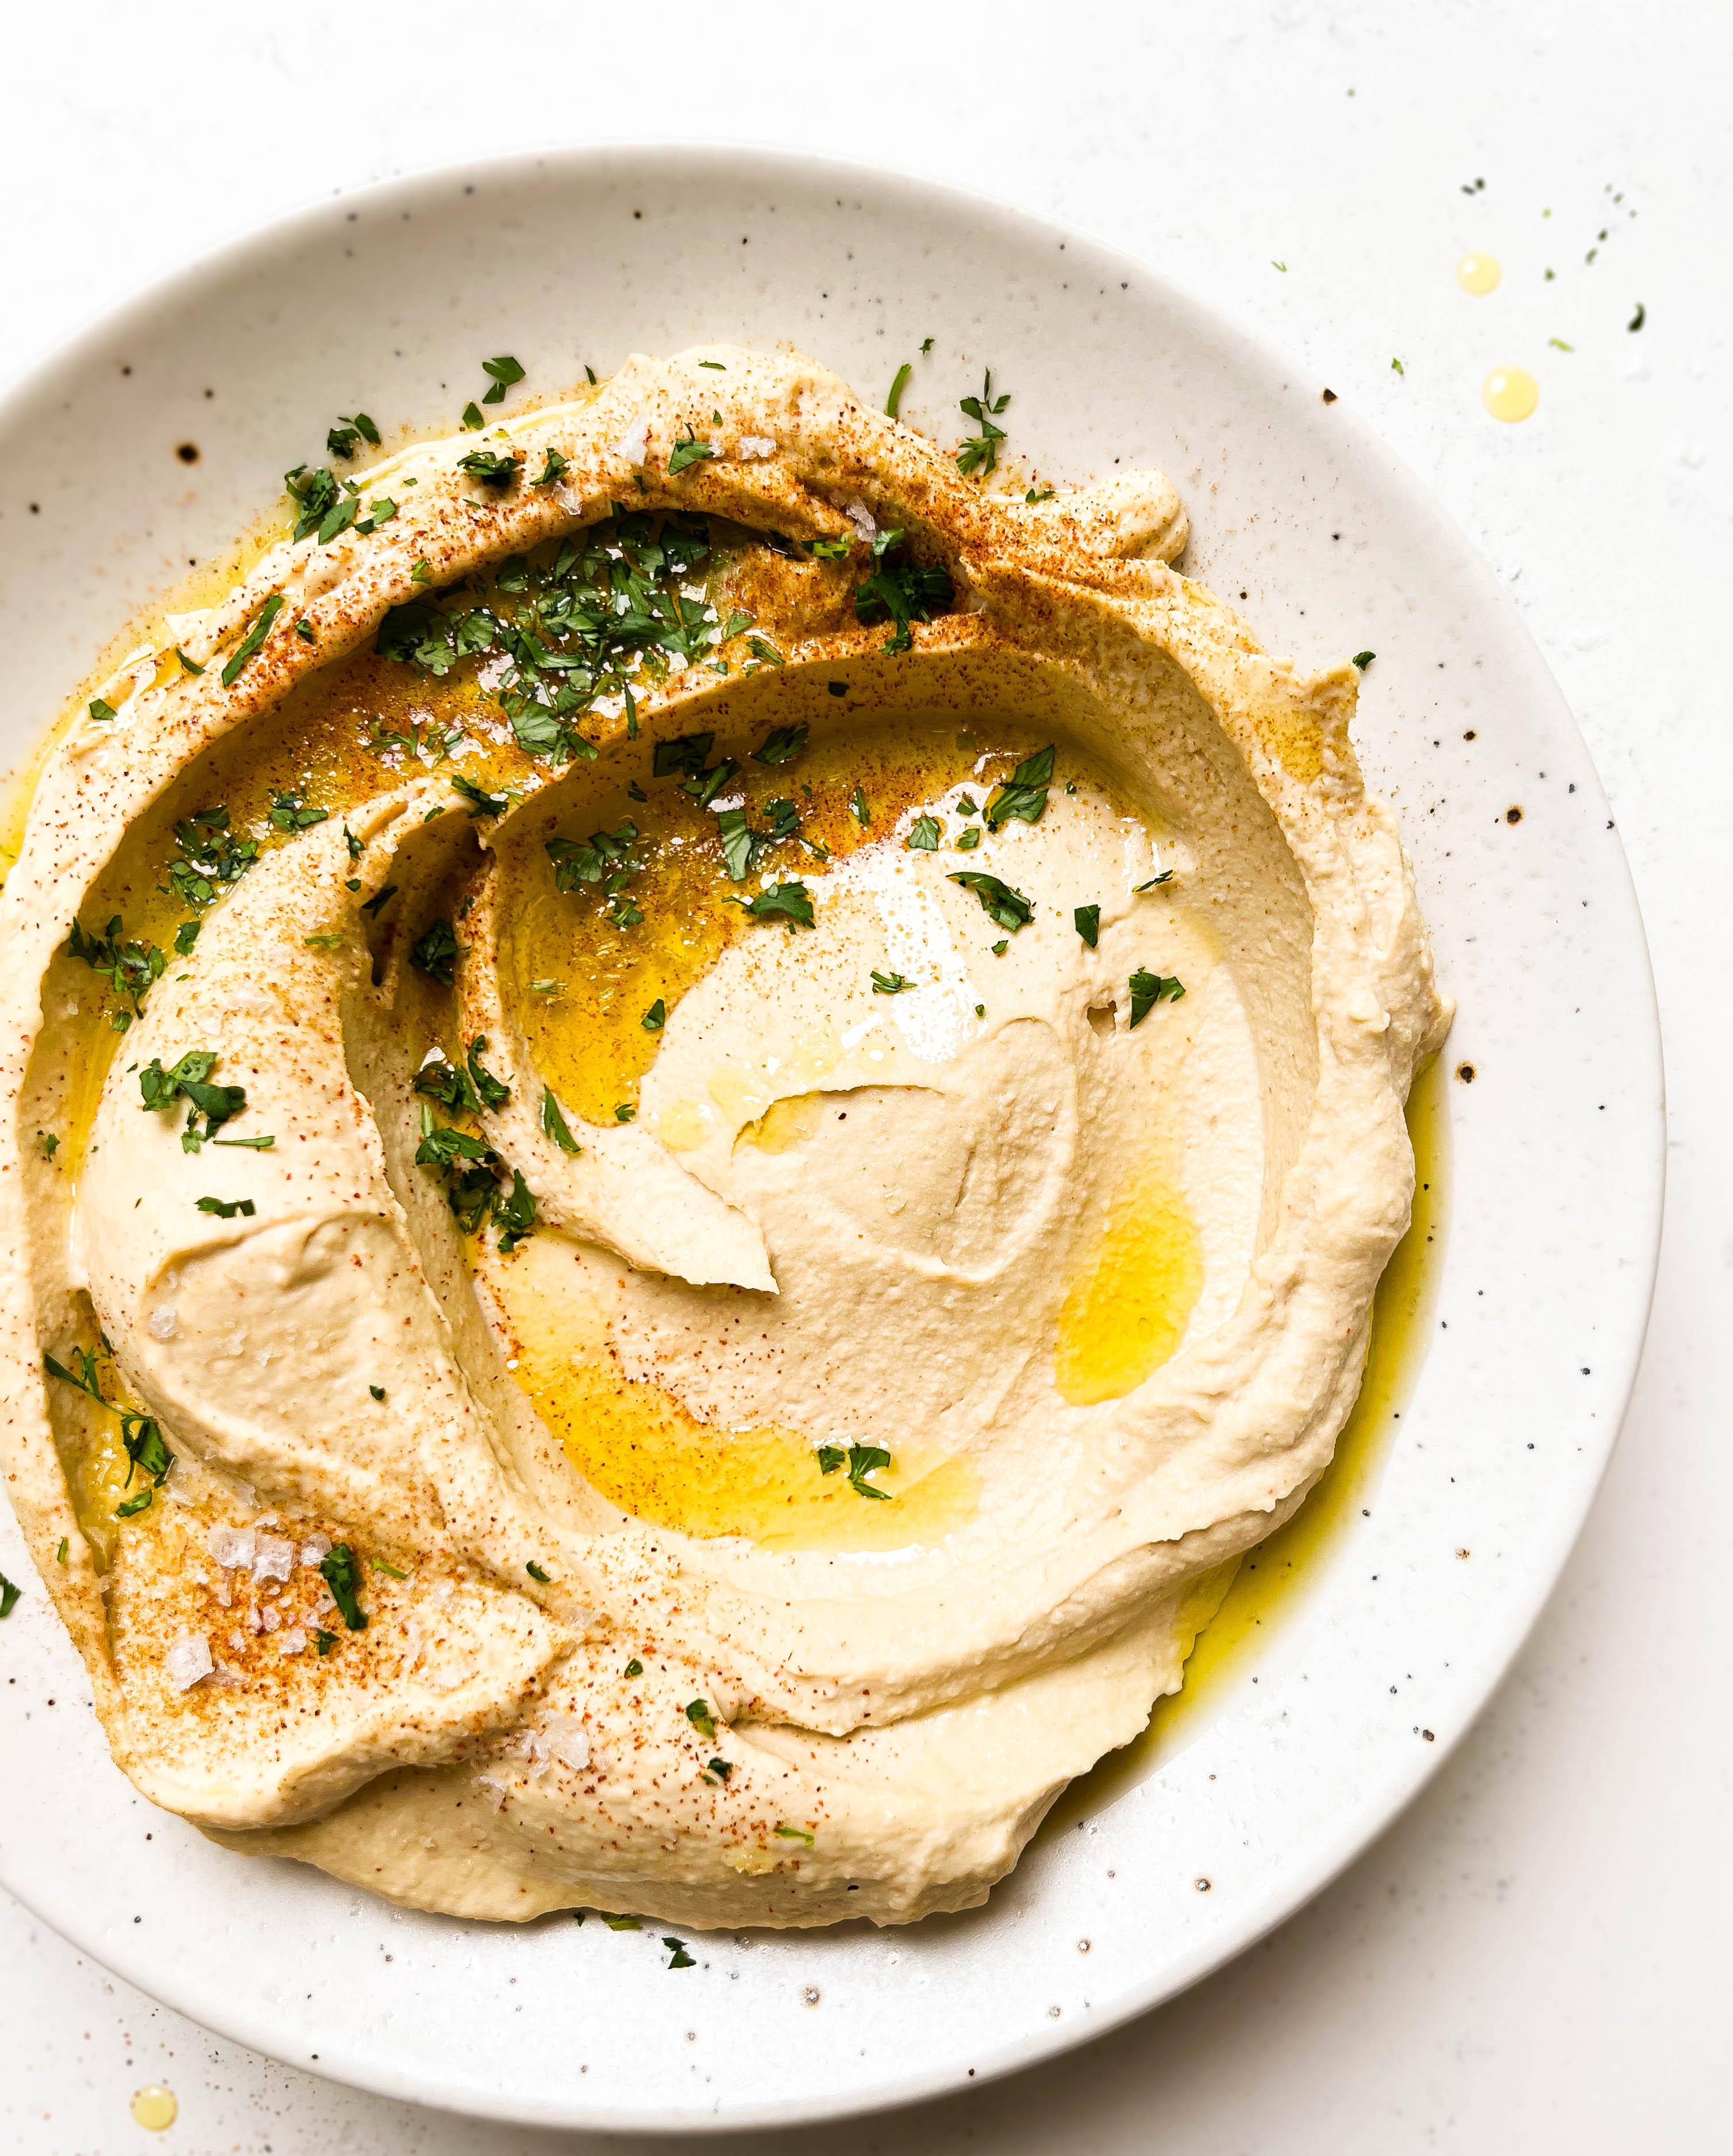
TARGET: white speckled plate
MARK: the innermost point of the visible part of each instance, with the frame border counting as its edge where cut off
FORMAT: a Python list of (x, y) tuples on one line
[(388, 301)]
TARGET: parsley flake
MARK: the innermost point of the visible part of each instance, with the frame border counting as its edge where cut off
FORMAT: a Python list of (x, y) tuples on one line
[(226, 1209), (791, 903), (860, 1461), (655, 1017), (1148, 989), (536, 1574), (902, 589), (889, 984), (1362, 659), (900, 382), (341, 1571), (504, 372), (699, 1714), (1003, 905), (1023, 795), (554, 1123), (1087, 922), (924, 835), (435, 953), (980, 452)]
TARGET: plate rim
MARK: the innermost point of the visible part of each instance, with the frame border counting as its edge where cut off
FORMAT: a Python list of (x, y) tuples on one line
[(1385, 1800)]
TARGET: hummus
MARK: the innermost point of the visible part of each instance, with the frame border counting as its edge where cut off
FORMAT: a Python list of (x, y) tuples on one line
[(700, 1120)]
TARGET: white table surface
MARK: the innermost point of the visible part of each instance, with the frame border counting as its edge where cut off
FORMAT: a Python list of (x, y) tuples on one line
[(1534, 1957)]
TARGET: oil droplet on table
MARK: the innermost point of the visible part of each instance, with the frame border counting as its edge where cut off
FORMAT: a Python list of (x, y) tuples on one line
[(155, 2107), (1478, 274), (1510, 392)]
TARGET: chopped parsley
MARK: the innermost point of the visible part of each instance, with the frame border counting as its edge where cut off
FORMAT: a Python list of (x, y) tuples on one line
[(289, 813), (1037, 494), (900, 382), (680, 1957), (656, 1017), (552, 472), (782, 746), (377, 1392), (624, 1113), (603, 859), (791, 903), (1023, 795), (504, 372), (689, 450), (435, 953), (340, 1570), (381, 899), (189, 1079), (481, 802), (1088, 921), (536, 1574), (351, 431), (211, 854), (795, 1833), (315, 497), (857, 806), (128, 965), (1149, 989), (980, 452), (554, 1123), (966, 841), (141, 1435), (1165, 876), (699, 1714), (889, 984), (902, 589), (141, 1503), (101, 708), (1639, 318), (1003, 905), (60, 1554), (860, 1461), (325, 1641), (226, 1209), (924, 835), (250, 642), (687, 753), (492, 467), (48, 1143), (1362, 659), (472, 416)]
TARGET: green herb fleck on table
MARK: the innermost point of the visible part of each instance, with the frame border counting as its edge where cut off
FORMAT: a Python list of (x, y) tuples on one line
[(680, 1957), (504, 372), (1362, 659), (979, 454), (899, 382)]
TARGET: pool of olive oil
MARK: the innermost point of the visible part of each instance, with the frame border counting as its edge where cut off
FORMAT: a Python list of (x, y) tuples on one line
[(1239, 1608)]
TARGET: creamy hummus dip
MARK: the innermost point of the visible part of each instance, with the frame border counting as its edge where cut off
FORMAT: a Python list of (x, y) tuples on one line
[(699, 1121)]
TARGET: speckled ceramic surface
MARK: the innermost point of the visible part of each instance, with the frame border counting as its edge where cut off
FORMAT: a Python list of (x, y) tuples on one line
[(388, 301)]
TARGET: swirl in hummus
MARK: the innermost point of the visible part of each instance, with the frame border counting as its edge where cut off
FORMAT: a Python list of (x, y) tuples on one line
[(698, 1118)]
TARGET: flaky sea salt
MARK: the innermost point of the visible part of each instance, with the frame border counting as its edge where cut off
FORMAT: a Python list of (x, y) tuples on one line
[(634, 446), (750, 447), (188, 1661)]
